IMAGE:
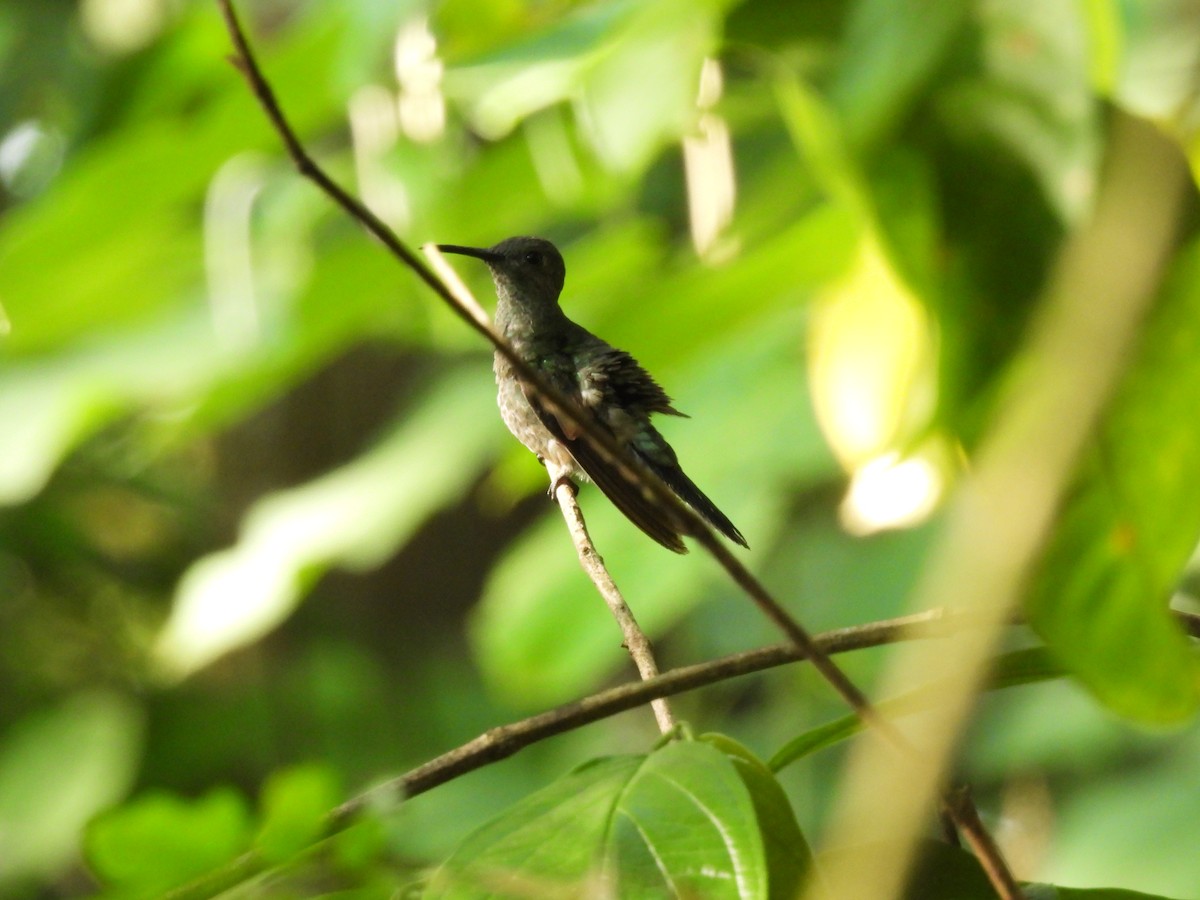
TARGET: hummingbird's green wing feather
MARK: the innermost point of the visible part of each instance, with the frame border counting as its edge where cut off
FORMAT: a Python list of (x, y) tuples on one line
[(625, 493)]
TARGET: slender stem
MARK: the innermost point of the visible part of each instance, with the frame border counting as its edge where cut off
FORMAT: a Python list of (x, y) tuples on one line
[(635, 640), (505, 740), (959, 806)]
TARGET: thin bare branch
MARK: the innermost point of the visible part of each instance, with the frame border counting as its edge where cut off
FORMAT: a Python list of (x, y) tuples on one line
[(501, 742), (635, 640)]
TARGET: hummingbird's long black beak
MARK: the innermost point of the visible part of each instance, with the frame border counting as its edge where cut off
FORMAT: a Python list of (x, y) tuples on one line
[(478, 252)]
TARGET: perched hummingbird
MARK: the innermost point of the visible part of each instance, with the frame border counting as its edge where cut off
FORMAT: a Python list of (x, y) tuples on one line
[(606, 382)]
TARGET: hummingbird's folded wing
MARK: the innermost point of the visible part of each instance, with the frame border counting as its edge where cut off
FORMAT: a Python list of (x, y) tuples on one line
[(617, 481), (623, 396)]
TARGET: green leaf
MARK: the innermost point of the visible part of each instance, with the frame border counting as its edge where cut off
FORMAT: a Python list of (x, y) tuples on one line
[(295, 810), (1052, 892), (641, 92), (679, 822), (1130, 525), (891, 48), (631, 70), (160, 840), (1011, 670), (789, 858), (58, 768), (1035, 97)]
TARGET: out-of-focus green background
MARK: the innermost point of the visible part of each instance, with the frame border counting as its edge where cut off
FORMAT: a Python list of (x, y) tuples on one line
[(257, 508)]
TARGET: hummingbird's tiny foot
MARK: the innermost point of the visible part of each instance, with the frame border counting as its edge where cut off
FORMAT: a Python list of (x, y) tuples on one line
[(559, 482)]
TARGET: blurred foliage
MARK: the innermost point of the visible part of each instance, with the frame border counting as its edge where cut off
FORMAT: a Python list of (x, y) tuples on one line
[(257, 508)]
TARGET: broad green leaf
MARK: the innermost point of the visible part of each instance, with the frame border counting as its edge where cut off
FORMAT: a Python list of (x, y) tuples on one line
[(641, 92), (679, 822), (1052, 892), (295, 807), (789, 858), (630, 69), (1010, 670), (891, 49), (58, 768), (160, 840), (1130, 525), (1034, 96), (1150, 50)]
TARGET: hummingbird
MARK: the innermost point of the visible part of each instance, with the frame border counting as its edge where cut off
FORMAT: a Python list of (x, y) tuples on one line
[(606, 383)]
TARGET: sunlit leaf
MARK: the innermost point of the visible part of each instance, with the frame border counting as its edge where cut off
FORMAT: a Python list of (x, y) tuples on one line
[(355, 516), (58, 768), (295, 810), (631, 70), (789, 858), (160, 840), (680, 820)]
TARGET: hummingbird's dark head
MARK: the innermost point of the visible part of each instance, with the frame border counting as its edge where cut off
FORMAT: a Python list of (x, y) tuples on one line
[(525, 269)]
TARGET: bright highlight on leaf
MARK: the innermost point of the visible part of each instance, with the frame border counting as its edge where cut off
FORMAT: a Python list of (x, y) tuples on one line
[(355, 516), (872, 357), (891, 491)]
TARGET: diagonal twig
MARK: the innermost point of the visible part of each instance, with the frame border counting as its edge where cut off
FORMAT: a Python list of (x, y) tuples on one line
[(635, 640), (505, 740)]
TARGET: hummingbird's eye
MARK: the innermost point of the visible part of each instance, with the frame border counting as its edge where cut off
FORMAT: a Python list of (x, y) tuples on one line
[(533, 258)]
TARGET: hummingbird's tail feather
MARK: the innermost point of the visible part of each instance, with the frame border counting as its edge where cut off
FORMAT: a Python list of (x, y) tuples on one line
[(644, 512), (676, 479)]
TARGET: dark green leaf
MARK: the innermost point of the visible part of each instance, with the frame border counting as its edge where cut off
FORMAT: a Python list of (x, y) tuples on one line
[(891, 48), (1130, 525), (1010, 670)]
